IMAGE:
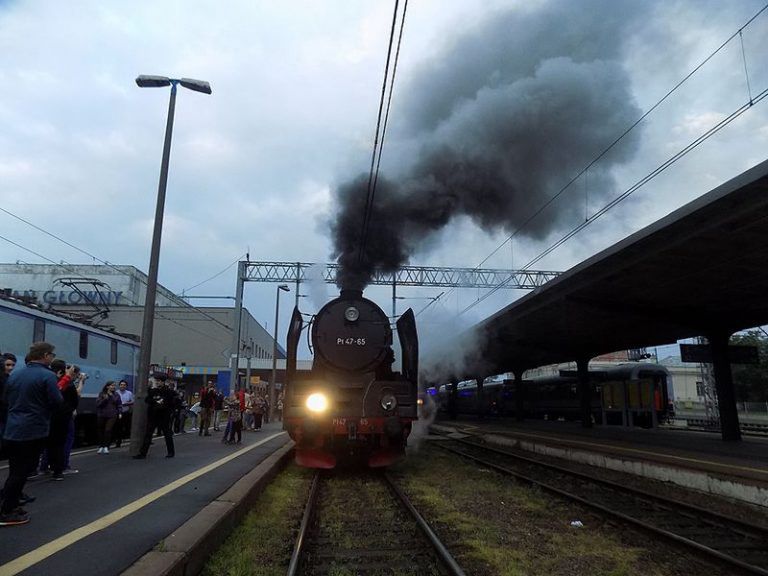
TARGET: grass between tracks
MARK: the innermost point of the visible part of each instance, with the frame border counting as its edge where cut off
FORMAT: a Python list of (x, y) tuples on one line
[(493, 526), (262, 544)]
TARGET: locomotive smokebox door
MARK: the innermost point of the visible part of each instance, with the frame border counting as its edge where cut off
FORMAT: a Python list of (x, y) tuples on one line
[(351, 333)]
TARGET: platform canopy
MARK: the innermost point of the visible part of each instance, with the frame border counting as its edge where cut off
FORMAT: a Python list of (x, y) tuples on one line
[(699, 270)]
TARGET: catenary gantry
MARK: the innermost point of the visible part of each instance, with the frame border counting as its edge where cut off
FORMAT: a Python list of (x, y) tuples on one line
[(435, 276)]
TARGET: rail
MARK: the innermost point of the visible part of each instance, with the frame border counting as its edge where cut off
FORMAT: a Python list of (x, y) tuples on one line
[(316, 551), (686, 524)]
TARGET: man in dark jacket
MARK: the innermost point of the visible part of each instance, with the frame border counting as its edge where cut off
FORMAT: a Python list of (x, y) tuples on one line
[(61, 417), (3, 405), (207, 405), (162, 401), (32, 398)]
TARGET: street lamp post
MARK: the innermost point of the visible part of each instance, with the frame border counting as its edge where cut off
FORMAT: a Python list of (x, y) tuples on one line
[(272, 394), (139, 422)]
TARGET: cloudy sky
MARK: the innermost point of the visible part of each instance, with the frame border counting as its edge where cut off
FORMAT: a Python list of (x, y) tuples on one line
[(496, 106)]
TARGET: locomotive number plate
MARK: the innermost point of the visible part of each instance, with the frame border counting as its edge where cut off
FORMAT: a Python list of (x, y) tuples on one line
[(350, 341), (342, 422)]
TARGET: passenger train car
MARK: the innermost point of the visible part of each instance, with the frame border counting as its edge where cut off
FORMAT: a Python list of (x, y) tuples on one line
[(623, 393), (351, 405), (101, 354)]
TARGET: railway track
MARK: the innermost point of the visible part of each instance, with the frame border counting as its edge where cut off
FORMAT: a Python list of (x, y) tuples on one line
[(731, 541), (363, 524)]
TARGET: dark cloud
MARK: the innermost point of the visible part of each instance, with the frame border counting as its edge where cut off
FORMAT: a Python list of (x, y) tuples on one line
[(503, 117)]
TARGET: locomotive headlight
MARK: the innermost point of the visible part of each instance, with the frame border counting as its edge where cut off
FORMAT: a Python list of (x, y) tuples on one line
[(352, 314), (388, 402), (317, 402)]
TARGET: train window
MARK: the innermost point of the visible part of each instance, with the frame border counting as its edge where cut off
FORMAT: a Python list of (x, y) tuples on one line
[(113, 351), (83, 344), (38, 330)]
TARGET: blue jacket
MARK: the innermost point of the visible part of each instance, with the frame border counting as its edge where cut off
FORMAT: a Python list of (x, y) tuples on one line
[(32, 397)]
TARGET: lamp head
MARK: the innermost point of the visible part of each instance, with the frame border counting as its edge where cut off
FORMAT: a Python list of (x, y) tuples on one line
[(145, 81), (148, 81), (196, 85)]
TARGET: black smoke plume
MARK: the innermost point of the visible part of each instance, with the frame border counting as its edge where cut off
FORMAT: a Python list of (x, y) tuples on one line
[(501, 119)]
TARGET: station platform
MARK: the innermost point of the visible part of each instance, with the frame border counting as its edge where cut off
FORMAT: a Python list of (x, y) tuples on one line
[(105, 518), (692, 459)]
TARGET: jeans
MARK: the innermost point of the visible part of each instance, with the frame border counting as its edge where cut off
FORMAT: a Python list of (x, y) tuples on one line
[(161, 421), (123, 428), (104, 427), (22, 458), (205, 420), (69, 442)]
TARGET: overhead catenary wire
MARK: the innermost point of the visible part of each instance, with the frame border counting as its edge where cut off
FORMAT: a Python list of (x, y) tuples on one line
[(389, 105), (584, 171), (377, 142), (68, 268), (632, 189), (628, 130), (214, 276), (74, 272), (95, 258)]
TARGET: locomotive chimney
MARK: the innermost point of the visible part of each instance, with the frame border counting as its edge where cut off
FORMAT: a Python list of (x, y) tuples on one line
[(350, 294)]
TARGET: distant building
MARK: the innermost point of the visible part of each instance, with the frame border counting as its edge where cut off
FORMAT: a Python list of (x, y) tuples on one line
[(198, 341), (81, 284)]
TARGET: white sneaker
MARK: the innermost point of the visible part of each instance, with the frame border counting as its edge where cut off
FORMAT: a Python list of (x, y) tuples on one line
[(106, 450), (99, 450)]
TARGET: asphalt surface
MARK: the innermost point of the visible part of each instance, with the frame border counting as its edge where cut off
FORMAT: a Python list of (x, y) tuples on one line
[(105, 483)]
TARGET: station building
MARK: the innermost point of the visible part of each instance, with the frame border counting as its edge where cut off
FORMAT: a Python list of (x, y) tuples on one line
[(196, 340)]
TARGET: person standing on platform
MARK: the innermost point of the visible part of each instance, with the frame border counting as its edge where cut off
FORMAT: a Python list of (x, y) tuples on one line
[(259, 406), (9, 363), (126, 413), (162, 401), (247, 404), (62, 416), (217, 410), (265, 409), (279, 408), (107, 413), (72, 397), (207, 405), (180, 415), (32, 397), (194, 411), (235, 420)]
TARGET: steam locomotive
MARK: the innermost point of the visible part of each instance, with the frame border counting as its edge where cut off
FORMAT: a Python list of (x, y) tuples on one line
[(351, 406)]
